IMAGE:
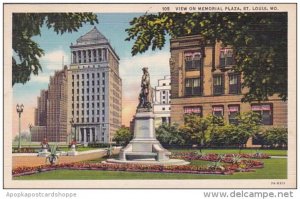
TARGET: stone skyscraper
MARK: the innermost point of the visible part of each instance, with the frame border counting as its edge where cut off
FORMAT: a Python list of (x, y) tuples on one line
[(94, 89)]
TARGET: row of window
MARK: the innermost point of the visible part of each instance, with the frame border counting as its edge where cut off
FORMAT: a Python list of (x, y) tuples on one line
[(88, 90), (264, 110), (87, 98), (88, 75), (194, 59), (88, 105), (193, 86), (88, 83), (88, 120), (88, 112)]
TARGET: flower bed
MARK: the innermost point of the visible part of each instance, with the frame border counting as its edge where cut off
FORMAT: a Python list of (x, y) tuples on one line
[(123, 167), (228, 158), (247, 166)]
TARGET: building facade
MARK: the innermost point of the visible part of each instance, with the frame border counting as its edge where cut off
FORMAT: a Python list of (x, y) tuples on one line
[(94, 88), (38, 133), (51, 112), (203, 83), (161, 101), (57, 124)]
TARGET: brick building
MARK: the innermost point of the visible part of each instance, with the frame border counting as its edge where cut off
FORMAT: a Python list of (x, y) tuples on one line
[(203, 83)]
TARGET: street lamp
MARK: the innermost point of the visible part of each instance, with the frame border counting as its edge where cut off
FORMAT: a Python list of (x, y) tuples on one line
[(30, 127), (20, 110)]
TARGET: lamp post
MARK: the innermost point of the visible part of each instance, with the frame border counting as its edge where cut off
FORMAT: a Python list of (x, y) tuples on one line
[(30, 127), (20, 110)]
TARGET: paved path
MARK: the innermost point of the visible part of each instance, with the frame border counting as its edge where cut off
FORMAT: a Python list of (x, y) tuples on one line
[(31, 159)]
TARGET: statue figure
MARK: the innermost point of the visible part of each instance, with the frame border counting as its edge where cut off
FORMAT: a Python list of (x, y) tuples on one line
[(145, 97)]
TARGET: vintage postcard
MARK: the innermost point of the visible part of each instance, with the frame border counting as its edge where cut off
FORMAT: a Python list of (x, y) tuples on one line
[(149, 96)]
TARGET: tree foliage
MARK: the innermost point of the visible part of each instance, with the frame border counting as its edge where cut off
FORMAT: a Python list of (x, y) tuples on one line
[(170, 135), (27, 52), (122, 136), (275, 137), (259, 41)]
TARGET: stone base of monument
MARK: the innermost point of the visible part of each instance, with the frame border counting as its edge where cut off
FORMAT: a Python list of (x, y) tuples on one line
[(144, 148)]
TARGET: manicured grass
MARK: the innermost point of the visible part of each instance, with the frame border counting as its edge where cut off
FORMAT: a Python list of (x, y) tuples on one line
[(79, 149), (270, 152), (274, 169)]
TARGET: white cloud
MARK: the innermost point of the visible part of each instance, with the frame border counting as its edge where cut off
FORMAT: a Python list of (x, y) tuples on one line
[(53, 60), (41, 78)]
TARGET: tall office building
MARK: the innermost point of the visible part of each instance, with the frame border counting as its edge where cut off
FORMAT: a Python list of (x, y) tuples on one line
[(57, 124), (94, 88), (161, 101)]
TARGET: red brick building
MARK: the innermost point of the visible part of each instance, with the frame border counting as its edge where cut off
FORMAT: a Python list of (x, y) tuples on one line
[(203, 83)]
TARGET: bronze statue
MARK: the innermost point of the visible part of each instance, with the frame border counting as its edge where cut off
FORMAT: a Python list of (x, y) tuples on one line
[(145, 97)]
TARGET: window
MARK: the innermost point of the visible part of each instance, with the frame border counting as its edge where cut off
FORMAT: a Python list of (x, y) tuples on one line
[(77, 98), (164, 84), (218, 111), (82, 90), (193, 110), (163, 109), (265, 111), (72, 84), (218, 84), (226, 57), (88, 76), (234, 111), (77, 84), (93, 75), (192, 86), (193, 61), (82, 76), (72, 76), (77, 91), (82, 98), (234, 84), (72, 91)]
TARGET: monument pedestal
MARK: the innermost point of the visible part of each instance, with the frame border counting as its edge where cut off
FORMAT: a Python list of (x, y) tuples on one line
[(144, 148)]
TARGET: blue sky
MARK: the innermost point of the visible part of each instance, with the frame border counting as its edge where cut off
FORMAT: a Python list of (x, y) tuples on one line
[(112, 26)]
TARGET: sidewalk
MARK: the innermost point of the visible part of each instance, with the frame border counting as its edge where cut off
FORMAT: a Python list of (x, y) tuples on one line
[(31, 159)]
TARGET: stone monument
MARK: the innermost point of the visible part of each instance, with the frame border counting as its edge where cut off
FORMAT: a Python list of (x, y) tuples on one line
[(144, 147)]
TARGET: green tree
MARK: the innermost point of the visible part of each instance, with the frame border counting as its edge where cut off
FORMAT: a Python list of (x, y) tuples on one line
[(26, 52), (169, 134), (198, 129), (122, 136), (258, 39), (277, 136), (248, 123)]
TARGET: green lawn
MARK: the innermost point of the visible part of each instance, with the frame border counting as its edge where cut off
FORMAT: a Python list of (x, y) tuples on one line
[(274, 152), (274, 169)]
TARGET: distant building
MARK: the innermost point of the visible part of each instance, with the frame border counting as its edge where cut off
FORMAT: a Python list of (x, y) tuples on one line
[(57, 123), (51, 111), (161, 101), (38, 133), (84, 101), (95, 89)]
